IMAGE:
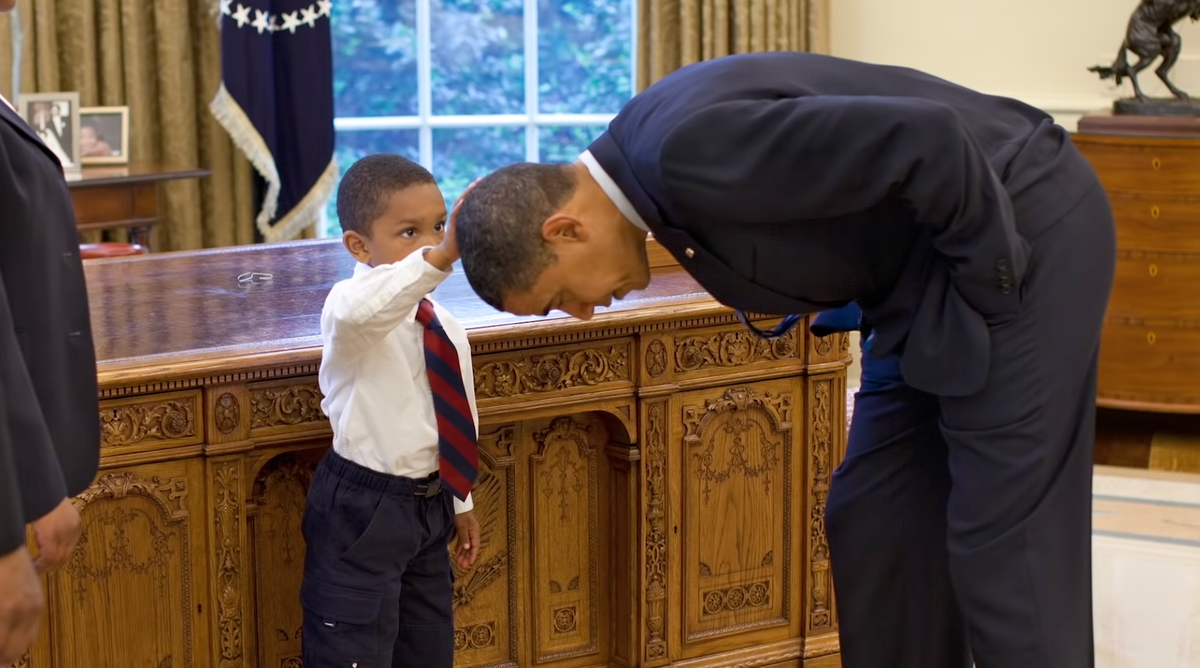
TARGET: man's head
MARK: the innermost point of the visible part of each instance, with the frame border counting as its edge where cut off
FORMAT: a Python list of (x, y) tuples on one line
[(540, 237), (389, 206), (7, 5)]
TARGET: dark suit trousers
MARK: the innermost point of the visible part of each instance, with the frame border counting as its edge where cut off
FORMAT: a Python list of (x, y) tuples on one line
[(378, 589), (960, 528)]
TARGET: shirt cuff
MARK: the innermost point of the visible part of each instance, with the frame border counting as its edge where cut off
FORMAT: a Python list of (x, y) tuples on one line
[(466, 506)]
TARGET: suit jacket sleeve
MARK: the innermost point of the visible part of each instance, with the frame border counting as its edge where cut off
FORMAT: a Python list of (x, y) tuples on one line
[(31, 477), (31, 480), (772, 161), (12, 513)]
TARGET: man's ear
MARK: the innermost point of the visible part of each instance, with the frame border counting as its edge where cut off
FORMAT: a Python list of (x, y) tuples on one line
[(561, 228), (357, 245)]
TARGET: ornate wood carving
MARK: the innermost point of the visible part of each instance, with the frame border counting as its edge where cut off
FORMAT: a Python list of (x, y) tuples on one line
[(156, 421), (820, 592), (566, 492), (730, 349), (656, 534), (740, 427), (565, 619), (739, 447), (532, 374), (732, 599), (475, 636), (227, 520), (228, 413), (277, 544), (823, 345), (489, 504), (485, 596), (499, 443), (656, 358), (285, 405), (136, 543)]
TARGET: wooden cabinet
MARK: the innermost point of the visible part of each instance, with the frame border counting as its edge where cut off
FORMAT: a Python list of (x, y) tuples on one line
[(122, 197), (651, 492), (1150, 168)]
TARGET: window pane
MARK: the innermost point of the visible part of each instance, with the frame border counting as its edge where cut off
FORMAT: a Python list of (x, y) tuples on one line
[(374, 57), (564, 143), (352, 146), (461, 155), (478, 57), (584, 56)]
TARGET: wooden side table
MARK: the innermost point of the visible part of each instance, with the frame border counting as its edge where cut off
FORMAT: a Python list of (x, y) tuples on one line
[(123, 196)]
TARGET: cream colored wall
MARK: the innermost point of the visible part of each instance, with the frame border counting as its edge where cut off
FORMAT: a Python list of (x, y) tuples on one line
[(1037, 51)]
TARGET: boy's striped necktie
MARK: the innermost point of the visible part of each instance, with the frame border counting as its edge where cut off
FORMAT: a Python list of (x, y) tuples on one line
[(458, 446)]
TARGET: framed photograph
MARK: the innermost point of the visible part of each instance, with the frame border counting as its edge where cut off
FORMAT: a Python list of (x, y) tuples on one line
[(55, 118), (104, 135)]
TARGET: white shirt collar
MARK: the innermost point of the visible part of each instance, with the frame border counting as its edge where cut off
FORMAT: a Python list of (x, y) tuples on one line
[(613, 191), (6, 102)]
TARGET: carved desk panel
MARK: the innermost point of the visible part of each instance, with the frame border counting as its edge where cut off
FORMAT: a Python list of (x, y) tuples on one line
[(651, 492)]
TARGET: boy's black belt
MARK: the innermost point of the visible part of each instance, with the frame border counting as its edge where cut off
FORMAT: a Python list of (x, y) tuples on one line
[(430, 488)]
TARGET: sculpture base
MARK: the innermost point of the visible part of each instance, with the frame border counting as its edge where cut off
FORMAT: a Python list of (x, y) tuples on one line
[(1139, 125), (1132, 106)]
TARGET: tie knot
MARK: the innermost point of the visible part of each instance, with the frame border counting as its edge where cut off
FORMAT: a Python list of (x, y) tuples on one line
[(425, 314)]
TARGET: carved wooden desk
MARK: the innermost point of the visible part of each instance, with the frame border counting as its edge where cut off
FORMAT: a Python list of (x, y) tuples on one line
[(652, 482)]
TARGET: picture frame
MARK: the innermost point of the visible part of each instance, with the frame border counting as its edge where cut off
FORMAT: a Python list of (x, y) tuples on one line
[(55, 119), (104, 135)]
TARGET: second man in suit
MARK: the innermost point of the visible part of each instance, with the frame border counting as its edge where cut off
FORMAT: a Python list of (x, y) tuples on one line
[(49, 424)]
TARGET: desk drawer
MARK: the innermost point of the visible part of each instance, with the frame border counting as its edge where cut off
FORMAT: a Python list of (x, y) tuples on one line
[(1157, 285), (99, 207), (1162, 223), (1145, 167), (1150, 364)]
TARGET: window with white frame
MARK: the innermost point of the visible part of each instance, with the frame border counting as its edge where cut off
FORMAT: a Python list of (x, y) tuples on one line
[(466, 86)]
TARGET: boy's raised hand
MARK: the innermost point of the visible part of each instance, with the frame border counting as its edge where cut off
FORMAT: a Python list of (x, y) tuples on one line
[(446, 253)]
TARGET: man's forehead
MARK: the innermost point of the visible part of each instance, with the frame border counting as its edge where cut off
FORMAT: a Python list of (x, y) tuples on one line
[(527, 304)]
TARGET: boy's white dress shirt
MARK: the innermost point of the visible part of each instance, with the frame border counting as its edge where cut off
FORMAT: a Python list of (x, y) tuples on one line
[(373, 374)]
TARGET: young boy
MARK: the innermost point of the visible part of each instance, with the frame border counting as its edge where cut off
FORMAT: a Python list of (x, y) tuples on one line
[(396, 374)]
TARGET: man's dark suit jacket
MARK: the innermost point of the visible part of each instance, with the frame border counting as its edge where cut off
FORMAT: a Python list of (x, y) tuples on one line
[(791, 183), (49, 415)]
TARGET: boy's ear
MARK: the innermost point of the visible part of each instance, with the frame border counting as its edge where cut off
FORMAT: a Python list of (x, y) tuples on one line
[(356, 243)]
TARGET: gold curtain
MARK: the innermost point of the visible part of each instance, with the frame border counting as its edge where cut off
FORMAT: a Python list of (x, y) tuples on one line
[(162, 59), (674, 33)]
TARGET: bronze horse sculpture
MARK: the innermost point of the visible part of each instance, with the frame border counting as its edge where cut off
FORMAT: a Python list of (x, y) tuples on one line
[(1149, 36)]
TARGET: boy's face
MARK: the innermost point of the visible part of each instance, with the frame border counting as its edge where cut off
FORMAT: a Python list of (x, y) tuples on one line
[(412, 218)]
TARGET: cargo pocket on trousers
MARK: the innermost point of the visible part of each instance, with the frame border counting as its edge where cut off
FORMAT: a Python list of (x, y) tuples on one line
[(341, 626)]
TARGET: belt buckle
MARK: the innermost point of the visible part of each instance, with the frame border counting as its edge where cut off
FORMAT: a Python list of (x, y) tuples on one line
[(433, 488)]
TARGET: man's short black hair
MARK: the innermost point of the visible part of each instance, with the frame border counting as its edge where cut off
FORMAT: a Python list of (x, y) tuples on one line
[(366, 185), (499, 227)]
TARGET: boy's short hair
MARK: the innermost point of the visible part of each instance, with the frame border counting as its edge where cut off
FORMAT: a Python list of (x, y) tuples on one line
[(366, 185)]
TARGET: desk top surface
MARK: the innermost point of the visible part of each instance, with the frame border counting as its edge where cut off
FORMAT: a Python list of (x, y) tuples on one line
[(190, 308), (138, 172)]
